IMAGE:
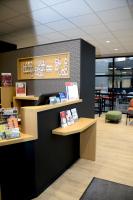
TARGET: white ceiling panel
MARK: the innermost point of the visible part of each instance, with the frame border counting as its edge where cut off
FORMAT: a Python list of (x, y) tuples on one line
[(5, 28), (53, 2), (123, 33), (46, 15), (129, 48), (84, 20), (95, 29), (23, 6), (115, 15), (56, 35), (121, 25), (6, 13), (21, 22), (42, 40), (42, 29), (61, 25), (99, 5), (126, 40), (32, 22), (72, 8), (75, 32)]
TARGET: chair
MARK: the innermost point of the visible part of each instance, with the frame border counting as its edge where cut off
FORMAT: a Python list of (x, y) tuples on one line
[(107, 101), (130, 111), (98, 102)]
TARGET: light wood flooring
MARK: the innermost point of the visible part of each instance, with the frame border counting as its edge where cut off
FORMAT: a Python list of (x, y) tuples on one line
[(114, 161)]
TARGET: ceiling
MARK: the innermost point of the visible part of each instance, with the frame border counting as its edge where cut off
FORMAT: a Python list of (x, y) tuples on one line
[(34, 22)]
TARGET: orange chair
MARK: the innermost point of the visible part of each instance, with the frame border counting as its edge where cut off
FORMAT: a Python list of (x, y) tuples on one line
[(130, 111), (130, 105)]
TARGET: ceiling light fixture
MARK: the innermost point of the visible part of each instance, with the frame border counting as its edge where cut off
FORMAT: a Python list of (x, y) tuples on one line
[(107, 41), (116, 49)]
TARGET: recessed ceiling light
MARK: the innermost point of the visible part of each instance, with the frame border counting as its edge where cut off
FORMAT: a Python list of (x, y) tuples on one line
[(107, 41), (115, 49)]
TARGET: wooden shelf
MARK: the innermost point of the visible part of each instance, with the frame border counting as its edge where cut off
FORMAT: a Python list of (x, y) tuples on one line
[(87, 128), (79, 126), (23, 138), (26, 98), (31, 132), (51, 106)]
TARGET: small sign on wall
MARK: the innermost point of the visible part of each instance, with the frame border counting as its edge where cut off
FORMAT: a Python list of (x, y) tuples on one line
[(53, 66)]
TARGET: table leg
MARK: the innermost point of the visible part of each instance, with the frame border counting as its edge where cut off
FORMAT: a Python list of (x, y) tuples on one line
[(88, 143)]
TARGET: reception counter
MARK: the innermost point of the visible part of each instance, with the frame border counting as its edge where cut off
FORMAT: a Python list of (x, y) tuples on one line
[(31, 163), (30, 132)]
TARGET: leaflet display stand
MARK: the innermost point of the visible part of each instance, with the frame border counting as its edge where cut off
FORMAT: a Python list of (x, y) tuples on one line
[(87, 129)]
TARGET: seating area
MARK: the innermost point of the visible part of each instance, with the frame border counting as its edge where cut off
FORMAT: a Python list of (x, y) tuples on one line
[(111, 105)]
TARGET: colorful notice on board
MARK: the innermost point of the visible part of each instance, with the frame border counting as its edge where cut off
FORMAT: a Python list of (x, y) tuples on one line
[(44, 67)]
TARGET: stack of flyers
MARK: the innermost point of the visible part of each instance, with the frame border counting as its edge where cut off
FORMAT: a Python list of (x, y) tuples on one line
[(74, 114), (69, 117), (63, 119), (62, 96), (52, 100)]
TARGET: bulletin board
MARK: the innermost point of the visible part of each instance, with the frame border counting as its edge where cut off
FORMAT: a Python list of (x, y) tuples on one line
[(53, 66)]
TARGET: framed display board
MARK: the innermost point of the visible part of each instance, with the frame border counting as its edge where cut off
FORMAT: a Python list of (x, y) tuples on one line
[(53, 66)]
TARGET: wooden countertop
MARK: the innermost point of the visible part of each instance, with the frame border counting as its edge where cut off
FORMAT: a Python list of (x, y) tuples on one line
[(51, 106), (79, 126), (23, 138)]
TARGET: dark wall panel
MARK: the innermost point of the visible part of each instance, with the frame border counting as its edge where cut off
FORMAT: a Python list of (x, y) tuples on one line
[(8, 63), (5, 46), (54, 153), (87, 78)]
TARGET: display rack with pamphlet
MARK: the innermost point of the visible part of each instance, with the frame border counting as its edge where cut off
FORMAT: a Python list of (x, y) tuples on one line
[(9, 123), (68, 117), (72, 90), (20, 89), (63, 119)]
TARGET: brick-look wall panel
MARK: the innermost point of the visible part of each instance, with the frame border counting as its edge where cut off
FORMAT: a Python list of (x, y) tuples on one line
[(8, 63)]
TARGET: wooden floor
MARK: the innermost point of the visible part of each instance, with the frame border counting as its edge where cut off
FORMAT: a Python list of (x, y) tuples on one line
[(114, 161)]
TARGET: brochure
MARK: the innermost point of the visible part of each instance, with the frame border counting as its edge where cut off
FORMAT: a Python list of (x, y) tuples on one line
[(62, 96), (63, 119), (74, 114), (72, 90), (6, 79), (52, 100), (20, 88), (9, 123), (69, 117)]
